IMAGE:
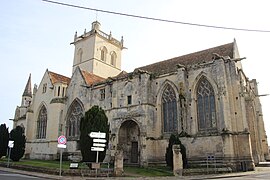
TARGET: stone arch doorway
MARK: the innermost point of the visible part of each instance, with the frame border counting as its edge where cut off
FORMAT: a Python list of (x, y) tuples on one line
[(129, 141)]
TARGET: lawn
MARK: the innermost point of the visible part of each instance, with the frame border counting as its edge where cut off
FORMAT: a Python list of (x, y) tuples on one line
[(128, 171)]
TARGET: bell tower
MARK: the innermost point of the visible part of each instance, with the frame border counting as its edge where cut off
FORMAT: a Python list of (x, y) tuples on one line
[(97, 52)]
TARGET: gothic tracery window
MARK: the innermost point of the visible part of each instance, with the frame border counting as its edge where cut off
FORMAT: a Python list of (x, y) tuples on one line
[(206, 106), (42, 123), (169, 109), (73, 120)]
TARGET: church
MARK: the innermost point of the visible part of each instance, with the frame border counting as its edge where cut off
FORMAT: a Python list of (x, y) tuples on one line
[(205, 97)]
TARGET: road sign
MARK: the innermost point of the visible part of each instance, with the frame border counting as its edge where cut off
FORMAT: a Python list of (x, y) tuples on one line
[(97, 149), (62, 140), (10, 144), (99, 140), (97, 135), (99, 145), (62, 146)]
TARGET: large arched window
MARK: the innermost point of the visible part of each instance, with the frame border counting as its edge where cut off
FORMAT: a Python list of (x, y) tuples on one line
[(206, 106), (42, 123), (113, 58), (75, 113), (169, 109), (103, 53)]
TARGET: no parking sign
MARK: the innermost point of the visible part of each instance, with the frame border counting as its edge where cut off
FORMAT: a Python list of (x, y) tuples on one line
[(62, 140)]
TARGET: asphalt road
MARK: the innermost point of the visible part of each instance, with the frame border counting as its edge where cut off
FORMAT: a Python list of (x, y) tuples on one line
[(13, 176), (261, 176)]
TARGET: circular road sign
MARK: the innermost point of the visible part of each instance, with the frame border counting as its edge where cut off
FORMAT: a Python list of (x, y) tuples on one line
[(62, 140)]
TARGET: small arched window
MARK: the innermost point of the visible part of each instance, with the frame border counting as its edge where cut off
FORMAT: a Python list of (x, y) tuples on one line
[(169, 109), (42, 123), (113, 58), (58, 94), (206, 105), (103, 53)]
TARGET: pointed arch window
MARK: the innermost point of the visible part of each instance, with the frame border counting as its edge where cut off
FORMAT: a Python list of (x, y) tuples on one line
[(42, 123), (169, 110), (113, 59), (80, 54), (103, 53), (206, 105), (74, 116)]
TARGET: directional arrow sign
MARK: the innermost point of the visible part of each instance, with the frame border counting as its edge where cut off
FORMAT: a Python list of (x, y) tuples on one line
[(99, 140), (97, 135), (99, 145), (97, 149)]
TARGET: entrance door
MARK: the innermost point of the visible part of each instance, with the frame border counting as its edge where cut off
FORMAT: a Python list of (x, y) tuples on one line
[(134, 152)]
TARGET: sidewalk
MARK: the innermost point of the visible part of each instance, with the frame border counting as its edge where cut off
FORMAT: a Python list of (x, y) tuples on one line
[(211, 176)]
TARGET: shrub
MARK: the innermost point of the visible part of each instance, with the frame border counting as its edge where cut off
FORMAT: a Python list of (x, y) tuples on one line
[(4, 138), (17, 135), (95, 120)]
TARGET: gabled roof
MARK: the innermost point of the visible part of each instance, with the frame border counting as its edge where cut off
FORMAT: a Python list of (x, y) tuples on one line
[(170, 65), (28, 88), (90, 78), (58, 78)]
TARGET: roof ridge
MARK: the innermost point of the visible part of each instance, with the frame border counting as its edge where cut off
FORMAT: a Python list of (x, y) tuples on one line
[(206, 55)]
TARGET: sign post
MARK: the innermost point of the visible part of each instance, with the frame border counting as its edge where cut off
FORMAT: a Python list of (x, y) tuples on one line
[(10, 145), (97, 144), (62, 145)]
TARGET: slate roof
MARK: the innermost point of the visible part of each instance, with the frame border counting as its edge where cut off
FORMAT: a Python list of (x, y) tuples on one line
[(90, 78), (170, 65), (55, 78)]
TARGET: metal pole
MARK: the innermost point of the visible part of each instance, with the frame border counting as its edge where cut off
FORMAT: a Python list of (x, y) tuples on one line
[(97, 158), (9, 157), (96, 162), (60, 161)]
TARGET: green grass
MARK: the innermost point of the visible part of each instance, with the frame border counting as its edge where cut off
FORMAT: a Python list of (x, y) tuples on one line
[(128, 171), (40, 163)]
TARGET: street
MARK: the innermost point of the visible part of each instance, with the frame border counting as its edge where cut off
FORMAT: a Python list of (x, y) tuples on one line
[(13, 176), (249, 177)]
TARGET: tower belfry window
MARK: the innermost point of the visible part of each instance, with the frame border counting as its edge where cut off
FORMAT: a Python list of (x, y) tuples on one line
[(113, 58), (80, 54), (103, 53)]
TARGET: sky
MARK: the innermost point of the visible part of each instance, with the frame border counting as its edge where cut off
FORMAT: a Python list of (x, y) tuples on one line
[(36, 35)]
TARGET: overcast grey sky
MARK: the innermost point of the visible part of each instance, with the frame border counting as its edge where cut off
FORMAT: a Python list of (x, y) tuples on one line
[(36, 35)]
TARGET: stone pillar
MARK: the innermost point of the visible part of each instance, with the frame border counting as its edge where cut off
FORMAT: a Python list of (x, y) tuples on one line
[(118, 163), (177, 160)]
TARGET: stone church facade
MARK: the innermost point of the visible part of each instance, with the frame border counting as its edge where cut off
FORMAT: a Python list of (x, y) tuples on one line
[(203, 96)]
